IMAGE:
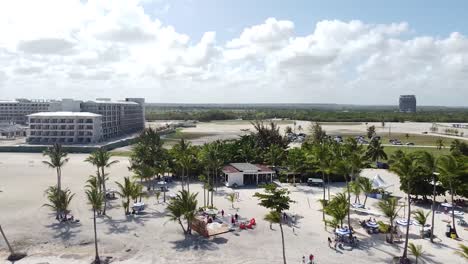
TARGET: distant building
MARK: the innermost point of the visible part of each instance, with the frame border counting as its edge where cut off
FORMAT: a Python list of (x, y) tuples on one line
[(118, 117), (64, 128), (61, 121), (407, 103), (16, 111)]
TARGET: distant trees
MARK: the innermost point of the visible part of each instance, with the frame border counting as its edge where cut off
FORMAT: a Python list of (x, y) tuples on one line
[(370, 132), (317, 134), (375, 151)]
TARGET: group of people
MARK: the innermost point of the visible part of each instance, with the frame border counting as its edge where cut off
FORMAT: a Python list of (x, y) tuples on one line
[(311, 259)]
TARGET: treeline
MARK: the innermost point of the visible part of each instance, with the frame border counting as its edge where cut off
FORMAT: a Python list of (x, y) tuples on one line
[(460, 115)]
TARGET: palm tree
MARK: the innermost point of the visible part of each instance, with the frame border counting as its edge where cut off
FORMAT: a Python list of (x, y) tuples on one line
[(450, 170), (183, 205), (126, 192), (337, 208), (318, 158), (295, 161), (439, 143), (406, 167), (429, 161), (143, 173), (355, 188), (59, 201), (57, 159), (365, 185), (375, 151), (389, 208), (14, 256), (101, 159), (463, 251), (231, 198), (274, 155), (96, 200), (421, 218), (277, 200), (416, 251)]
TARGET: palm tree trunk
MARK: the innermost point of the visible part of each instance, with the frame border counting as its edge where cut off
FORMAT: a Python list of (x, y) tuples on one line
[(188, 180), (204, 195), (59, 179), (323, 210), (282, 241), (104, 190), (453, 210), (349, 207), (405, 250), (96, 259), (6, 241), (328, 185), (433, 207), (365, 200), (183, 228)]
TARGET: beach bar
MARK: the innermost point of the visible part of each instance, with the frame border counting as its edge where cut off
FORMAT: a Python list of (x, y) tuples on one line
[(240, 174)]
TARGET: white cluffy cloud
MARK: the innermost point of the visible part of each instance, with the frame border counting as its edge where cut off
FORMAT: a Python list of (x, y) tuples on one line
[(86, 49)]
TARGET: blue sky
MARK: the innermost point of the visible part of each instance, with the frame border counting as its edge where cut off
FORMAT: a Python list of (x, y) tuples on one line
[(229, 18), (208, 51)]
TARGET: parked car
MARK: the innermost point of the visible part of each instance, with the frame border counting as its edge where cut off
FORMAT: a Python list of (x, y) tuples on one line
[(315, 182), (410, 144)]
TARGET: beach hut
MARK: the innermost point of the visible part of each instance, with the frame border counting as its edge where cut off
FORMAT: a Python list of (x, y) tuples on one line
[(240, 174)]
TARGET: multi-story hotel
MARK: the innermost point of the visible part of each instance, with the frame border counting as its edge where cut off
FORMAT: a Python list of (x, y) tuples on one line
[(64, 128), (407, 103), (118, 117), (16, 111), (60, 121)]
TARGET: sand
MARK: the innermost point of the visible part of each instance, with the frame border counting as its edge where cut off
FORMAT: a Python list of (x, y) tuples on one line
[(151, 238), (232, 129)]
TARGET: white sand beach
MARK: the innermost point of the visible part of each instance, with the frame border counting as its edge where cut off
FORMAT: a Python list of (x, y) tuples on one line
[(151, 238)]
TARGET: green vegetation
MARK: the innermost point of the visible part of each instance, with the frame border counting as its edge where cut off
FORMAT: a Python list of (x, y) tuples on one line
[(311, 114)]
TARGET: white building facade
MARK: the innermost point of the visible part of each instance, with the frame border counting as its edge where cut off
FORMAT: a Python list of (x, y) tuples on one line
[(241, 174), (118, 117), (64, 128)]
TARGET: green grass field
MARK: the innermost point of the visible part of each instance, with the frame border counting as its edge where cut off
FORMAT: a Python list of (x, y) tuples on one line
[(421, 140), (410, 149)]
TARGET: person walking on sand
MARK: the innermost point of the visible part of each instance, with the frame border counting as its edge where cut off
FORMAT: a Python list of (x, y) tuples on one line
[(222, 212), (329, 242), (303, 260)]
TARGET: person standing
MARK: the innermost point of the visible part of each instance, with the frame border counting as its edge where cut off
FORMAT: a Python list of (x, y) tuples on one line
[(222, 212), (329, 242)]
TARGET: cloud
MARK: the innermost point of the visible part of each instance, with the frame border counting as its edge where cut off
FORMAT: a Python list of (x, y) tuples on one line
[(46, 46), (116, 47)]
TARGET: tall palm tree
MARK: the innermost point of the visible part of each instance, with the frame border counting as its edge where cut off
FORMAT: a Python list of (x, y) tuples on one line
[(439, 143), (389, 208), (421, 218), (59, 201), (356, 189), (450, 170), (57, 159), (416, 251), (274, 155), (366, 187), (184, 205), (429, 161), (101, 159), (337, 208), (143, 173), (343, 167), (277, 200), (96, 200), (295, 161), (406, 167), (463, 251), (126, 191), (274, 217), (375, 151)]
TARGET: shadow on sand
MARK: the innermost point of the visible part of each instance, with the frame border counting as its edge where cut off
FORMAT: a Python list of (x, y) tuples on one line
[(196, 242), (65, 230)]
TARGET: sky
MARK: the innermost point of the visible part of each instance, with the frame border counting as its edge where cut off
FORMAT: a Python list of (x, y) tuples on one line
[(219, 51)]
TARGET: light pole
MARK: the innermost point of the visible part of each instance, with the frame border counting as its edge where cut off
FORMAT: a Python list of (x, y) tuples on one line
[(434, 174)]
